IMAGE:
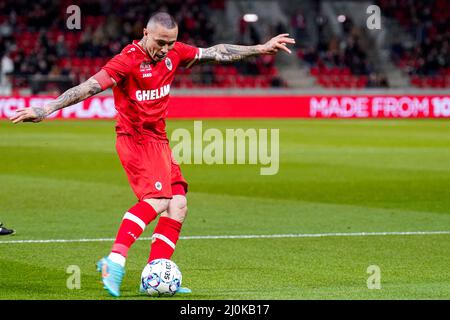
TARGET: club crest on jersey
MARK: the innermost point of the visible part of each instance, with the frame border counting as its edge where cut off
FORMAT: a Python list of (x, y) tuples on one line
[(169, 64), (146, 69)]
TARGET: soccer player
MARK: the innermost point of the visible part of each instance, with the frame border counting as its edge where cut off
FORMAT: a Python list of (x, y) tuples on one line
[(5, 231), (141, 76)]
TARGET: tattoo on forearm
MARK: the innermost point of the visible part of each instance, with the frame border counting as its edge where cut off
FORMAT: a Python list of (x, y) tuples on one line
[(40, 113), (76, 94), (226, 53)]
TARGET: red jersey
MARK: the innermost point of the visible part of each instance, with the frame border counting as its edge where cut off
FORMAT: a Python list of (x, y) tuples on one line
[(141, 95)]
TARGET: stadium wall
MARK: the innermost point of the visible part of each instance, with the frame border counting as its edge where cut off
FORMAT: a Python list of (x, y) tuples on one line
[(270, 104)]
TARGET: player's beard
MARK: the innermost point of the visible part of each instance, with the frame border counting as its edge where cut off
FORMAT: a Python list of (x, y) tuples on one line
[(157, 56), (160, 57)]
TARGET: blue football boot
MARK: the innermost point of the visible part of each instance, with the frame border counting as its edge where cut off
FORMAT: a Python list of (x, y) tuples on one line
[(183, 290), (112, 275)]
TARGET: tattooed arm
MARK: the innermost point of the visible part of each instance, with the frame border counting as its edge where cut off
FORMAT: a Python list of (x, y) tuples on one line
[(72, 96), (227, 53)]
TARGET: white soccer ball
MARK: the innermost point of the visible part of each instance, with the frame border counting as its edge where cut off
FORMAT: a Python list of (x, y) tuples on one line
[(161, 277)]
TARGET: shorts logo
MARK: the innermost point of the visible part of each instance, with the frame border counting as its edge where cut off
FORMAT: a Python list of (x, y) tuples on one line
[(158, 185), (169, 64)]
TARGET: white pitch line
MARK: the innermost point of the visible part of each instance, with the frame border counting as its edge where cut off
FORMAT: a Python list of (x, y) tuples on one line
[(250, 236)]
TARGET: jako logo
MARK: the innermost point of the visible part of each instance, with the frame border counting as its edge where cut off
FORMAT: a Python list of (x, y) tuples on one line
[(441, 107)]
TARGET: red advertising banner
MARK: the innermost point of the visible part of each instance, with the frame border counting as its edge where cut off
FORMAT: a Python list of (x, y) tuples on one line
[(392, 106)]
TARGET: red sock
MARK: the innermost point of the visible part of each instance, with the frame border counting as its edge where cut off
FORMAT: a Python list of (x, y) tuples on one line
[(165, 238), (132, 226)]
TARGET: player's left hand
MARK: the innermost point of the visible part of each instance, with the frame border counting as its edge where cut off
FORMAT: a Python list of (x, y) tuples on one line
[(277, 43)]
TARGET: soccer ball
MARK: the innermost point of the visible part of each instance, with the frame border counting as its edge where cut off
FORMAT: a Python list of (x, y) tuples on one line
[(161, 277)]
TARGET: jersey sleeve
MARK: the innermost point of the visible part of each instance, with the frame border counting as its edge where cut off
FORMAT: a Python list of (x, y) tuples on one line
[(188, 54), (119, 66)]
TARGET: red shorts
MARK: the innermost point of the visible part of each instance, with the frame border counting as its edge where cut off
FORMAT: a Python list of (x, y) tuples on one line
[(151, 169)]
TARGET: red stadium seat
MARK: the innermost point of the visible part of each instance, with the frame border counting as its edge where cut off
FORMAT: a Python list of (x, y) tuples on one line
[(440, 82), (315, 71), (416, 81), (76, 62), (447, 81), (429, 82), (346, 71), (362, 81), (335, 71)]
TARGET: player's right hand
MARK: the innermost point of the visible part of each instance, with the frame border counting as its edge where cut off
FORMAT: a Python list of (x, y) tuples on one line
[(33, 114)]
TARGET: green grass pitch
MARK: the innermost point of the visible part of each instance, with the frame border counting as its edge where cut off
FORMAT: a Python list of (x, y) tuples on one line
[(63, 180)]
